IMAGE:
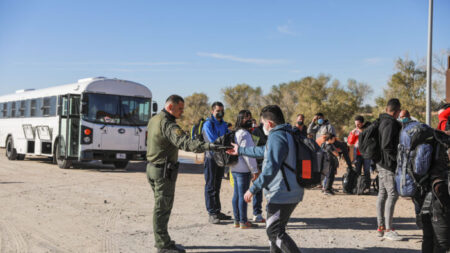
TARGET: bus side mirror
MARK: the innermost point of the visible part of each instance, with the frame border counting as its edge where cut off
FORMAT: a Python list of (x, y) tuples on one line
[(155, 107)]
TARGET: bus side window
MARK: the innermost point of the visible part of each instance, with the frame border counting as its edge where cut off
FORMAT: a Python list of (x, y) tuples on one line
[(5, 110), (39, 104), (22, 108), (33, 108), (53, 106), (27, 108), (13, 109), (1, 110), (46, 106)]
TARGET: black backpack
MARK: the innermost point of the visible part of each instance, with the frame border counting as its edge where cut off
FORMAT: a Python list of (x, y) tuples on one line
[(309, 162), (349, 181), (196, 130), (221, 157), (361, 185), (369, 142)]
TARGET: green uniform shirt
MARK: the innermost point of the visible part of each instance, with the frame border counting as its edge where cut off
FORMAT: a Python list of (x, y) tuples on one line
[(165, 137)]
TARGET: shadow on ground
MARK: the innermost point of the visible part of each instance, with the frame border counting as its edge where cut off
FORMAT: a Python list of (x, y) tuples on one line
[(132, 167), (243, 248), (354, 223)]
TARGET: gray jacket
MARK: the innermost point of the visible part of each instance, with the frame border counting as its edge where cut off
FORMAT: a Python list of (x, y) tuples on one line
[(318, 130)]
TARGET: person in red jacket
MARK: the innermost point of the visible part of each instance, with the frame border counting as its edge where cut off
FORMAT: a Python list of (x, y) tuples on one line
[(443, 114)]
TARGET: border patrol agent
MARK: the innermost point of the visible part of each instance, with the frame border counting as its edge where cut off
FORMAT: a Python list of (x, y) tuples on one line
[(164, 139)]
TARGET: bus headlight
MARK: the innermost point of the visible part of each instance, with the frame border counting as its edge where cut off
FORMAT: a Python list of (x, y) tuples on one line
[(87, 139)]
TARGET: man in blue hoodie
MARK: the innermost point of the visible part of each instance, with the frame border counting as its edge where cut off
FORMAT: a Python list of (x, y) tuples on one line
[(281, 202), (213, 128)]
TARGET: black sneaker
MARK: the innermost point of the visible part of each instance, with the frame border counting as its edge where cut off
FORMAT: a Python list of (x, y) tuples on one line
[(223, 216), (172, 249), (213, 219)]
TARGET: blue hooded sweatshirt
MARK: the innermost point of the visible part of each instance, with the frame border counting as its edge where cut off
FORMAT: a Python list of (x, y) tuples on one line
[(280, 147)]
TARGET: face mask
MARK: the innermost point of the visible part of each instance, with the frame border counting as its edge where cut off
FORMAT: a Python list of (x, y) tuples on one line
[(320, 121), (266, 132), (405, 120), (300, 123), (219, 115)]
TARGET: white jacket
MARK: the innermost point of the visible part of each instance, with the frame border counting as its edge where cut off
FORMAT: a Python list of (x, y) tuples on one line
[(245, 164)]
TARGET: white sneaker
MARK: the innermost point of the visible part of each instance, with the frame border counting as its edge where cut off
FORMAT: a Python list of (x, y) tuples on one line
[(392, 235), (258, 218)]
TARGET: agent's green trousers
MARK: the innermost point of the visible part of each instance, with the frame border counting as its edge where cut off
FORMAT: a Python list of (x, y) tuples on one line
[(164, 192)]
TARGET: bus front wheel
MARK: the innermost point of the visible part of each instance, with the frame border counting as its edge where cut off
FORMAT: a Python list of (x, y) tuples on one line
[(120, 164), (62, 163), (11, 152)]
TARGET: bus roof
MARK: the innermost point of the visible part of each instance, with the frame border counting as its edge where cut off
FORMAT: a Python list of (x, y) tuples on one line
[(92, 85)]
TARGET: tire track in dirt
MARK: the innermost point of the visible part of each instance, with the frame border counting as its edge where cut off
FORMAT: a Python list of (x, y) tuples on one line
[(109, 244), (12, 239)]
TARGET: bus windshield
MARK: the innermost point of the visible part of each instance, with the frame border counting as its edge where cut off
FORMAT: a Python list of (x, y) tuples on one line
[(117, 110)]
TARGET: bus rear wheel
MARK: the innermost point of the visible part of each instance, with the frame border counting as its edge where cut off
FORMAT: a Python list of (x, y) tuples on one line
[(11, 152), (62, 163), (120, 164)]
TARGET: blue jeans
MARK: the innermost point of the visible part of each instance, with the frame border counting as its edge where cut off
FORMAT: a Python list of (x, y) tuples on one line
[(360, 163), (213, 181), (241, 185)]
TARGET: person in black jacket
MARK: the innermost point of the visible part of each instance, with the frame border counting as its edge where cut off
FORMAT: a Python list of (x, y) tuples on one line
[(300, 125), (389, 133)]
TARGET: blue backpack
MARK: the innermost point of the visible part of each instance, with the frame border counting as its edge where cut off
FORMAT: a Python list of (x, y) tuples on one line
[(414, 157)]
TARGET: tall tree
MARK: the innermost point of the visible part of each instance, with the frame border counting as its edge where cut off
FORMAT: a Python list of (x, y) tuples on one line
[(408, 84), (240, 97), (196, 107)]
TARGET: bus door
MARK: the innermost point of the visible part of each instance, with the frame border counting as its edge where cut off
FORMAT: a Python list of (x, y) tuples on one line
[(69, 127)]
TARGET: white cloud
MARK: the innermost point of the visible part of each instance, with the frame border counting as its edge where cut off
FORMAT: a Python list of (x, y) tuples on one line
[(286, 29), (373, 60), (104, 63), (241, 59)]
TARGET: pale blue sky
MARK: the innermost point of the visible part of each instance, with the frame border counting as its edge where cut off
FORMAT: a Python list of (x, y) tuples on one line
[(202, 46)]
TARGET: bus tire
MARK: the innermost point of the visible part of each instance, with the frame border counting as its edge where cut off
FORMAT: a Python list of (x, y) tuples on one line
[(11, 152), (20, 157), (62, 163), (120, 164)]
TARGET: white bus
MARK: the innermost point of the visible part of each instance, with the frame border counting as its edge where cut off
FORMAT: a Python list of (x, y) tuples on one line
[(92, 119)]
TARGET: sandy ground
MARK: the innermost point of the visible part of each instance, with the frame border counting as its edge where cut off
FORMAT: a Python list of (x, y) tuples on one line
[(96, 209)]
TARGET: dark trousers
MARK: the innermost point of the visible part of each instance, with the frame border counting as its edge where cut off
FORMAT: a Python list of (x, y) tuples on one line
[(258, 198), (436, 229), (363, 163), (164, 192), (328, 180), (257, 203), (213, 178), (277, 218)]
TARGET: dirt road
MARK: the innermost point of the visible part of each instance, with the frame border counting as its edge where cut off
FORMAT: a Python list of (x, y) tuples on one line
[(96, 209)]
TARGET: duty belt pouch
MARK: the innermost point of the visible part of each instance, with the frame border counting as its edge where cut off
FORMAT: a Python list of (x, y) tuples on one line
[(170, 170)]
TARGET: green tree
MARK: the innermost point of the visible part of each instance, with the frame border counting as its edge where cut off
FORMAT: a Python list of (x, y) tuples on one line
[(408, 84), (240, 97), (311, 95), (196, 106)]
